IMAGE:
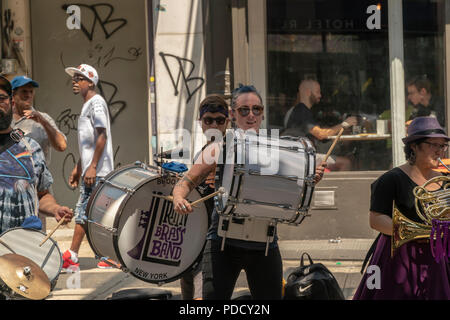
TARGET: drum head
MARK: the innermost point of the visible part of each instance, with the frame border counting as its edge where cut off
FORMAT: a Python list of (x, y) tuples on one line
[(26, 242), (155, 243), (268, 177)]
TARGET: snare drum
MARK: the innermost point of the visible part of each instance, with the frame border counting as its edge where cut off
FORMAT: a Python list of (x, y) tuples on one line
[(25, 242), (268, 178), (128, 223)]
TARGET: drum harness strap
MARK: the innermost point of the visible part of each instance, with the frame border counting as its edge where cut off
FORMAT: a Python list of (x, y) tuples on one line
[(14, 137), (370, 253), (19, 137)]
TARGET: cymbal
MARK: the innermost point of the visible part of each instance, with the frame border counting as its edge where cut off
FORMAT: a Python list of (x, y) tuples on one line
[(24, 277)]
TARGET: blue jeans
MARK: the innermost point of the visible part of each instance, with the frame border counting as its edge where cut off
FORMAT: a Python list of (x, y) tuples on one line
[(80, 207)]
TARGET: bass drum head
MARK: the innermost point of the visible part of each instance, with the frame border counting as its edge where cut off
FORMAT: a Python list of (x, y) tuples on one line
[(25, 242), (153, 242)]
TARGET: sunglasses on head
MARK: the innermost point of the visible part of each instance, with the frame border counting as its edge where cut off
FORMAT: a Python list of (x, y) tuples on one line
[(245, 111), (209, 120)]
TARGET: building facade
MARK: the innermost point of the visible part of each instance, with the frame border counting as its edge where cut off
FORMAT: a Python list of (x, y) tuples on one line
[(158, 59)]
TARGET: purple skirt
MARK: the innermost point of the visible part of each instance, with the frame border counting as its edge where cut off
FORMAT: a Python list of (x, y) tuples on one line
[(412, 274)]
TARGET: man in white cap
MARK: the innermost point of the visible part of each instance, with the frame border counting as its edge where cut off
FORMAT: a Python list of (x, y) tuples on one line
[(95, 148)]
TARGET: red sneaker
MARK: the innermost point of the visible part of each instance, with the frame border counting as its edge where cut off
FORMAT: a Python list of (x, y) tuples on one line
[(108, 265), (68, 264)]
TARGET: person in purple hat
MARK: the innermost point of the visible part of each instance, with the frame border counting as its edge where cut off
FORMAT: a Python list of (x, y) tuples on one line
[(412, 273)]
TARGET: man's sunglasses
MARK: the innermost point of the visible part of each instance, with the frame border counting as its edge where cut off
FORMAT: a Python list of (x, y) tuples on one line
[(79, 78), (245, 111), (209, 120)]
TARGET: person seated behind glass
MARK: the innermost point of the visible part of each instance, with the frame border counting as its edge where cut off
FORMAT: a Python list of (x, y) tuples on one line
[(424, 101), (302, 122)]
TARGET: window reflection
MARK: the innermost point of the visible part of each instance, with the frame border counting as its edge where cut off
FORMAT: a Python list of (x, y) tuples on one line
[(329, 41)]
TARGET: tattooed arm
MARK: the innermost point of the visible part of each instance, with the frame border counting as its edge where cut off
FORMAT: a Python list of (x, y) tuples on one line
[(196, 175)]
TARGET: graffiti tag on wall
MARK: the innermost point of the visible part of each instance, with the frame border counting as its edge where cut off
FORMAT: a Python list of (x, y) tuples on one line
[(182, 74)]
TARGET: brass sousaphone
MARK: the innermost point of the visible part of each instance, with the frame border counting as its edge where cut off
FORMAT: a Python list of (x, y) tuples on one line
[(430, 205)]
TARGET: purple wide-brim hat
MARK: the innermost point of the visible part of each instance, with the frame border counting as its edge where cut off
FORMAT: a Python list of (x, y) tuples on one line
[(424, 127)]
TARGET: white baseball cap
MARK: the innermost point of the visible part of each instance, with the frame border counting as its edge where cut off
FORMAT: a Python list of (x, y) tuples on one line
[(85, 70)]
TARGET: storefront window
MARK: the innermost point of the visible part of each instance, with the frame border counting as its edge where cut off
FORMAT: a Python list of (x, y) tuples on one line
[(424, 58), (343, 45), (333, 43)]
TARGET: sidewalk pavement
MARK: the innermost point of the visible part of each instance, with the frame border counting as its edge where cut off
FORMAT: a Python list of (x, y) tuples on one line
[(332, 249), (342, 256)]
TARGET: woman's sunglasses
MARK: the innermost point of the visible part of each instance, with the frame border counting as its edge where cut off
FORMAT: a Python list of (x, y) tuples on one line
[(209, 120), (245, 111)]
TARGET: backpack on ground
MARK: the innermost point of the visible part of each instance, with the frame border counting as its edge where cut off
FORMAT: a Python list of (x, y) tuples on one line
[(312, 282)]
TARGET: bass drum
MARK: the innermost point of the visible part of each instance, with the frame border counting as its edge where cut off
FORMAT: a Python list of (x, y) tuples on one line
[(128, 223)]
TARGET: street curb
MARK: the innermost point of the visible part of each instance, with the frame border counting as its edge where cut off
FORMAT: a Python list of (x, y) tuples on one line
[(340, 249)]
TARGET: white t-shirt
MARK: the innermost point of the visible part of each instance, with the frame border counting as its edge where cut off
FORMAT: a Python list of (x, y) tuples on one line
[(95, 114)]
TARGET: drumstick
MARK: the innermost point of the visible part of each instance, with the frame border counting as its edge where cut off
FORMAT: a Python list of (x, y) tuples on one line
[(334, 144), (170, 198), (53, 231), (221, 190), (7, 247)]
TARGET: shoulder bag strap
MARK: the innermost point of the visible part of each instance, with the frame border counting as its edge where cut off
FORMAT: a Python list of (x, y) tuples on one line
[(30, 150), (370, 253), (14, 137)]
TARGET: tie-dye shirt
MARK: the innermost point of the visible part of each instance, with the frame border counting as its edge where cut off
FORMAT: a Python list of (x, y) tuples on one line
[(20, 182)]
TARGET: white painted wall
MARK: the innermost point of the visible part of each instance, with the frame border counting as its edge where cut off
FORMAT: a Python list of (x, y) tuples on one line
[(116, 47), (180, 83), (19, 35)]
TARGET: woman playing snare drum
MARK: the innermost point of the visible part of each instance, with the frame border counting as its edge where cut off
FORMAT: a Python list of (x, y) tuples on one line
[(222, 268)]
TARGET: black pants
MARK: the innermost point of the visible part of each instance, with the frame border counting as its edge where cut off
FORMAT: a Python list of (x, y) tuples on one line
[(221, 270)]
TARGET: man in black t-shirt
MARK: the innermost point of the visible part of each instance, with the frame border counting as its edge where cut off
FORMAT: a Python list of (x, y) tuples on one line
[(301, 121)]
